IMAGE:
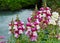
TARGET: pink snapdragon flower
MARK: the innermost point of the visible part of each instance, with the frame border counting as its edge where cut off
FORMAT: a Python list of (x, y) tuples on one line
[(10, 28), (17, 28), (43, 16), (33, 38), (32, 30), (36, 22), (36, 17), (39, 12), (32, 34), (47, 8), (28, 32), (46, 21), (28, 24), (29, 19), (44, 13), (42, 9)]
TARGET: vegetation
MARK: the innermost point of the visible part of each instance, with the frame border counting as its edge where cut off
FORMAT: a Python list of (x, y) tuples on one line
[(18, 4), (15, 4), (54, 4)]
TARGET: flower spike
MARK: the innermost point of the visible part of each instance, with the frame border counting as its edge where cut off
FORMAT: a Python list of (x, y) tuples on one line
[(17, 18)]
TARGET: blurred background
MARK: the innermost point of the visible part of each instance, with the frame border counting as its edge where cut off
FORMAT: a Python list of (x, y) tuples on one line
[(15, 5)]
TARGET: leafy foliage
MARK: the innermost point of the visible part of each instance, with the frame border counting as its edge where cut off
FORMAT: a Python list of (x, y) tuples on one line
[(15, 4), (54, 4), (18, 4)]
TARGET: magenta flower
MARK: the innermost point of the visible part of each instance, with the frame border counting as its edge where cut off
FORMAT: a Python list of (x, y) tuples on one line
[(10, 24), (28, 24), (39, 12), (2, 37), (48, 11), (44, 11), (42, 8), (33, 38), (46, 21), (40, 19), (18, 28), (36, 17), (47, 8), (28, 32), (15, 23), (33, 29), (3, 42), (29, 19), (48, 15), (36, 22)]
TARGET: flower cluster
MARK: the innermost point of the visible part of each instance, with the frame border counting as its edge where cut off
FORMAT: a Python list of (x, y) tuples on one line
[(44, 16), (41, 19), (54, 18), (47, 17), (32, 29), (17, 28)]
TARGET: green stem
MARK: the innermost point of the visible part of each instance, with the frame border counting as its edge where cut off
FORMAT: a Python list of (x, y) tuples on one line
[(44, 3), (17, 40)]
